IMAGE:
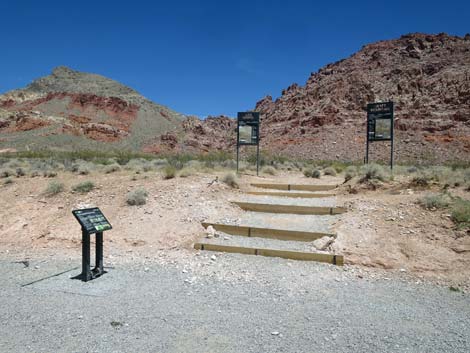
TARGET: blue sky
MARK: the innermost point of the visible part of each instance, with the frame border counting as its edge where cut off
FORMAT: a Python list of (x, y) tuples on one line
[(205, 57)]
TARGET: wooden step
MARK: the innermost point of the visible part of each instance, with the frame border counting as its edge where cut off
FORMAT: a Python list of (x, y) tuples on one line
[(280, 234), (291, 209), (298, 187), (306, 195), (292, 255)]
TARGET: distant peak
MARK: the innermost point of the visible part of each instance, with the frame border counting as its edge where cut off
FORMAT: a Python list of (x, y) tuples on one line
[(62, 70)]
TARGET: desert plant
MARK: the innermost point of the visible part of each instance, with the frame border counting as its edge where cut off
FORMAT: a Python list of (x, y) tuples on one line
[(308, 172), (54, 188), (185, 172), (434, 201), (20, 172), (316, 173), (83, 170), (7, 181), (7, 172), (330, 171), (269, 170), (111, 168), (137, 197), (460, 213), (350, 173), (169, 172), (49, 173), (83, 187), (372, 172), (421, 180), (231, 180)]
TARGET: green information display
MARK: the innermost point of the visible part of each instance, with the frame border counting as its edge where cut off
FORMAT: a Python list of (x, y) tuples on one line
[(92, 220)]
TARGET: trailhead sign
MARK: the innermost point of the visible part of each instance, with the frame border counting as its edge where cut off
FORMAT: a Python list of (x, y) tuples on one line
[(380, 126), (248, 133)]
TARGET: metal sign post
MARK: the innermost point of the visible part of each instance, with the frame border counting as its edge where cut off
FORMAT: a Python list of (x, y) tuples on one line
[(92, 221), (380, 126), (248, 134)]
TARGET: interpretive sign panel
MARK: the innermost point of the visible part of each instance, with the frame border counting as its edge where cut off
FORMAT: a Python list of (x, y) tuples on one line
[(92, 220)]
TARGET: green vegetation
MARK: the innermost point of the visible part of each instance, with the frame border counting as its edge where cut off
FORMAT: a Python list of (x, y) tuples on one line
[(54, 188), (84, 187), (111, 168), (372, 172), (329, 171), (350, 173), (169, 172), (269, 170), (186, 172), (435, 201), (8, 181), (231, 180), (460, 212), (137, 197)]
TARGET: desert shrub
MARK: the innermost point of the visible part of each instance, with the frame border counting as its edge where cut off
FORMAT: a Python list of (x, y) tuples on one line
[(460, 213), (422, 180), (269, 170), (83, 170), (49, 174), (350, 173), (137, 197), (231, 180), (54, 188), (411, 170), (434, 201), (308, 172), (7, 172), (8, 181), (193, 164), (185, 172), (111, 168), (372, 172), (160, 162), (466, 175), (83, 187), (330, 171), (169, 172), (34, 173), (20, 172), (316, 173), (229, 164)]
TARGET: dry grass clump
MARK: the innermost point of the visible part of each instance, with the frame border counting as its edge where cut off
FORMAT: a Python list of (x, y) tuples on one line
[(54, 188), (137, 197), (49, 174), (111, 168), (269, 170), (231, 180), (312, 173), (350, 172), (169, 172), (330, 171), (84, 187), (372, 172), (435, 201), (460, 213), (186, 172), (8, 181), (6, 173)]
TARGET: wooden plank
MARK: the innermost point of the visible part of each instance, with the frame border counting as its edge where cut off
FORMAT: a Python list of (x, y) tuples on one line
[(292, 255), (306, 195), (298, 187), (290, 209), (280, 234)]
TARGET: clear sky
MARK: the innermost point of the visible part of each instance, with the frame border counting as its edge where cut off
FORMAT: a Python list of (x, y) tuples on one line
[(205, 57)]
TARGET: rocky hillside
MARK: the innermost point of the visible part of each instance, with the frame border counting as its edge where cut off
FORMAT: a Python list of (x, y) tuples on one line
[(427, 76), (75, 110)]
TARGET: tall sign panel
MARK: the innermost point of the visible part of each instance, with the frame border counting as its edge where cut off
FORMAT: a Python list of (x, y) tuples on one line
[(380, 126), (248, 133)]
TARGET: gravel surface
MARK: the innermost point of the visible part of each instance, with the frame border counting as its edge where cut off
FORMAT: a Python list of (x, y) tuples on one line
[(230, 303)]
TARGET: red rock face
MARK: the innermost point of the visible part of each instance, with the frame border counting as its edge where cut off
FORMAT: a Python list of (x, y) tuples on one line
[(117, 126)]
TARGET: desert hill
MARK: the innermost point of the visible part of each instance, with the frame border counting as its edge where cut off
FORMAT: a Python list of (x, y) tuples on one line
[(75, 110)]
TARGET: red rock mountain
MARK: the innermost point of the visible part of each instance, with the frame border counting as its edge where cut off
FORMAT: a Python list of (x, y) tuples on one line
[(427, 76)]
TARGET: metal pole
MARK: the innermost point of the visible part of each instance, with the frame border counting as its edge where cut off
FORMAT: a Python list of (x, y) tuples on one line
[(86, 273), (99, 253), (367, 151), (257, 159)]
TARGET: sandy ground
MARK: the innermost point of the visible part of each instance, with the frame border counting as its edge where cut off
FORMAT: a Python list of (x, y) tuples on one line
[(383, 229)]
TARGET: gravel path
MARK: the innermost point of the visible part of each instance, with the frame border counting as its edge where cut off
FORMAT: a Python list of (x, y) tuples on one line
[(233, 304)]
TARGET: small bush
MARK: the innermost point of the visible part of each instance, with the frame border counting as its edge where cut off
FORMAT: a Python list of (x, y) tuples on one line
[(49, 174), (34, 173), (186, 172), (411, 169), (269, 170), (83, 170), (231, 180), (20, 172), (137, 197), (372, 172), (169, 172), (229, 164), (460, 213), (7, 181), (434, 201), (112, 168), (421, 180), (316, 173), (330, 171), (308, 172), (6, 173), (54, 188), (84, 187), (350, 173)]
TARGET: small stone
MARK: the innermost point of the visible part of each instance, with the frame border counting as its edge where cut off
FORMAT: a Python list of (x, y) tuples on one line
[(275, 333), (210, 231), (213, 257)]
